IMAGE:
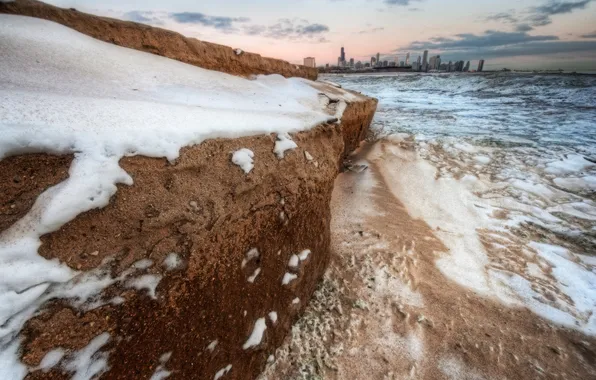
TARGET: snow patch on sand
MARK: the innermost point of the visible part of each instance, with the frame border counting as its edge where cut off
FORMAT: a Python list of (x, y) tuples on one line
[(256, 336), (244, 159), (283, 144), (219, 374), (89, 362)]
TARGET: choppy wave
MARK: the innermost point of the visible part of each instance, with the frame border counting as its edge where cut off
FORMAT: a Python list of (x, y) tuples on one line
[(517, 154)]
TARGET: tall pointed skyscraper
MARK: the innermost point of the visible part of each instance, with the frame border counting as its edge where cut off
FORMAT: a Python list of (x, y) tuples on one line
[(425, 61)]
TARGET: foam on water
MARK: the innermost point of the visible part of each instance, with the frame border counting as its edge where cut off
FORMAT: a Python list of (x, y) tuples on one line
[(503, 168)]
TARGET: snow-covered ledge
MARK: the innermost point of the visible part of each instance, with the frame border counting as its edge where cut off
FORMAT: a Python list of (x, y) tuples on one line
[(149, 236)]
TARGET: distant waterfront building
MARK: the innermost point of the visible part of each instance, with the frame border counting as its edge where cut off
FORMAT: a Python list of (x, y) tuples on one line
[(407, 59), (401, 64), (359, 65), (351, 62), (418, 64), (450, 66), (378, 58), (434, 63), (467, 66), (373, 60), (481, 65), (310, 62), (367, 64), (392, 63), (424, 61), (343, 54), (385, 63)]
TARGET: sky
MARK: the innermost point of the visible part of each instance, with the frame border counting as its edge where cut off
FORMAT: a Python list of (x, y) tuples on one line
[(517, 34)]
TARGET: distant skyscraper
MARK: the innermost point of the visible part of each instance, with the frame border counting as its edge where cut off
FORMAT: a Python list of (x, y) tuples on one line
[(309, 62), (385, 63), (424, 61), (418, 63), (379, 58), (481, 65), (432, 63), (351, 62), (438, 62), (407, 59), (450, 66), (467, 66), (401, 64), (343, 54), (373, 61)]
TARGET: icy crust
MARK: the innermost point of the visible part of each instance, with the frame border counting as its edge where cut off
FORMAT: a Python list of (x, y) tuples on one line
[(490, 219), (62, 92)]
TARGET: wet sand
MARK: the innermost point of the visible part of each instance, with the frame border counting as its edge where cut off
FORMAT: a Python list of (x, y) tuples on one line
[(385, 311)]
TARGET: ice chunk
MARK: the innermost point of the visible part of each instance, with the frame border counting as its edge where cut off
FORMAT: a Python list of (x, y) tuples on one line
[(222, 372), (257, 334), (244, 159), (288, 277), (293, 263), (89, 362), (254, 275), (283, 144), (50, 359), (273, 316)]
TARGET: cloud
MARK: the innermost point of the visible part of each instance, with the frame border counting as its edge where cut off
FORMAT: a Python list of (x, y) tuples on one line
[(291, 29), (372, 30), (589, 35), (399, 2), (523, 28), (147, 17), (468, 41), (217, 22), (540, 16), (507, 16), (496, 44), (537, 16)]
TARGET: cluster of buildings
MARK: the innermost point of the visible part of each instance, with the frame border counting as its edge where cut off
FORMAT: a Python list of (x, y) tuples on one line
[(422, 64)]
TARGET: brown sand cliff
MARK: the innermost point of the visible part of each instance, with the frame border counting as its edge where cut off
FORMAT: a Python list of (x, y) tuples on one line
[(160, 41), (207, 211)]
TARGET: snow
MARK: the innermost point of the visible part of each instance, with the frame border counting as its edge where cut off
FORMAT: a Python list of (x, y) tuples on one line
[(573, 163), (134, 103), (89, 362), (161, 372), (288, 277), (294, 260), (250, 255), (222, 372), (296, 301), (244, 159), (238, 51), (50, 359), (10, 366), (212, 345), (308, 156), (254, 275), (273, 316), (148, 281), (143, 264), (283, 144), (172, 261), (257, 334), (304, 254)]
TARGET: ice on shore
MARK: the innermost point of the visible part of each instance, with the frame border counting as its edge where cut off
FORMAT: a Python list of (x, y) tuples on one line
[(134, 103)]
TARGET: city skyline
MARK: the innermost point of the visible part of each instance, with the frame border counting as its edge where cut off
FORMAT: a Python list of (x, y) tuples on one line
[(545, 34), (422, 64)]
